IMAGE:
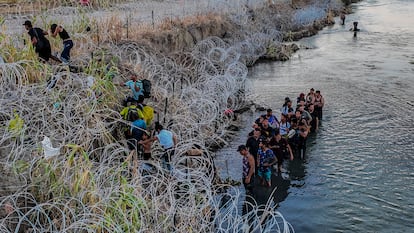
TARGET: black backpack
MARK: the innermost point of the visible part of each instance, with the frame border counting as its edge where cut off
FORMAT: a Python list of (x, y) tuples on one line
[(146, 88), (132, 112)]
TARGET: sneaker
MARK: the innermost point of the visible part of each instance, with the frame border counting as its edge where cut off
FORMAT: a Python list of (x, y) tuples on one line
[(64, 60)]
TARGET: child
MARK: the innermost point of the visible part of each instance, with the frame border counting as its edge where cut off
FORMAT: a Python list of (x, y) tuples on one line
[(146, 144)]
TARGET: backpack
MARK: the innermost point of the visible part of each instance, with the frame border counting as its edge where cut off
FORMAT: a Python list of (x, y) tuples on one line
[(146, 88), (148, 113), (132, 110)]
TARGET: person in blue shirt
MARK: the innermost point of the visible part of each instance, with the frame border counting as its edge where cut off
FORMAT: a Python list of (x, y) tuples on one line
[(266, 159), (138, 128), (136, 87), (272, 119), (168, 141)]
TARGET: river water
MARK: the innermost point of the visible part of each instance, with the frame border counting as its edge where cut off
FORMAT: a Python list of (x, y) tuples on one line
[(358, 174)]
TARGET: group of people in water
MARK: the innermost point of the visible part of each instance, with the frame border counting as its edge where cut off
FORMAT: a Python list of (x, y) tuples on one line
[(273, 140)]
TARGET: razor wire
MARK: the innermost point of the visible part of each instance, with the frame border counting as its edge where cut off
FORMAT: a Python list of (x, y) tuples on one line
[(70, 114)]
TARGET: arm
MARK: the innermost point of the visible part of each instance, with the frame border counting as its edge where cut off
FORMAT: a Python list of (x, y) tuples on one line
[(175, 140), (290, 151), (251, 170), (54, 34), (136, 87), (142, 142), (124, 112), (34, 40)]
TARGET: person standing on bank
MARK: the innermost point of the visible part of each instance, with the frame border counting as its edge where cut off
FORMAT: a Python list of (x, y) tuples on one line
[(39, 41), (168, 141), (136, 87), (248, 167), (67, 41)]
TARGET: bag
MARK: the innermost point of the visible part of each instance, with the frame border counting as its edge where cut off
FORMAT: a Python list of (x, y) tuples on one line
[(146, 88), (133, 111), (40, 44), (148, 113)]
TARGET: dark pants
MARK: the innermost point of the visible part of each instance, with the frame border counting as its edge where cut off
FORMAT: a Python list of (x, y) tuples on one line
[(44, 53), (249, 201), (67, 46), (166, 158), (318, 111)]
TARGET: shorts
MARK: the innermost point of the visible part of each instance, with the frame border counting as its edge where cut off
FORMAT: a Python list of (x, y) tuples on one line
[(266, 175)]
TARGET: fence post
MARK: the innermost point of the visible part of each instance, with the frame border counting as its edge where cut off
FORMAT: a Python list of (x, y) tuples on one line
[(152, 16), (127, 22), (165, 108)]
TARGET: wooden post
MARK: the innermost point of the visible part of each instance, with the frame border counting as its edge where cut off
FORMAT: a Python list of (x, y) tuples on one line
[(165, 108), (152, 16)]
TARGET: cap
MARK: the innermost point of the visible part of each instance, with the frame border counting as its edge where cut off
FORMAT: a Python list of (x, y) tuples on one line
[(28, 23), (241, 147), (302, 94)]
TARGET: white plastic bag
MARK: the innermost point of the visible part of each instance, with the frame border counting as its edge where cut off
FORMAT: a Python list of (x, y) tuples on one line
[(48, 149)]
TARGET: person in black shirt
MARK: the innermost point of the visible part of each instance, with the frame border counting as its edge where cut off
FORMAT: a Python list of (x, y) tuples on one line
[(39, 41), (253, 143), (67, 41), (281, 149)]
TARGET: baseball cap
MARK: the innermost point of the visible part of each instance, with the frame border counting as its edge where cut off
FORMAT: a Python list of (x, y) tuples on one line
[(28, 23), (241, 147)]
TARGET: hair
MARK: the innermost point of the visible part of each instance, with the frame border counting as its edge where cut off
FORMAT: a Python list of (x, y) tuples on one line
[(53, 28), (140, 99), (158, 126), (134, 116), (264, 142), (269, 110)]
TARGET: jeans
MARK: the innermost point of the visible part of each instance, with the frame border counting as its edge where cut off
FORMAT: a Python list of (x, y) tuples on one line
[(67, 46), (166, 158)]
